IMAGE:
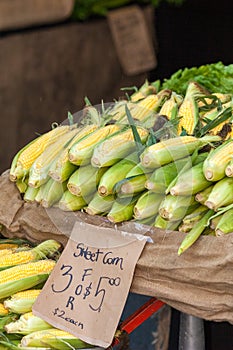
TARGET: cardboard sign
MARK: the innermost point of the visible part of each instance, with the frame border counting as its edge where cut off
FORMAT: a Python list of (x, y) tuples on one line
[(132, 39), (87, 290)]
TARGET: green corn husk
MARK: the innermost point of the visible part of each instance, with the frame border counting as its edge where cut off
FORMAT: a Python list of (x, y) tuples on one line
[(85, 180), (221, 194), (174, 208), (165, 224), (52, 193), (168, 151), (208, 232), (229, 169), (225, 224), (70, 202), (215, 164), (30, 194), (190, 220), (81, 152), (202, 196), (115, 173), (117, 147), (55, 339), (214, 221), (138, 169), (130, 186), (25, 276), (22, 185), (147, 221), (163, 176), (4, 320), (63, 168), (147, 205), (100, 204), (195, 232), (122, 210), (20, 304), (190, 182), (39, 171), (26, 324)]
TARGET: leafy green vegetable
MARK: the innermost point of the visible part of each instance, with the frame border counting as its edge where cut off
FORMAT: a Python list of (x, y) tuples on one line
[(216, 77)]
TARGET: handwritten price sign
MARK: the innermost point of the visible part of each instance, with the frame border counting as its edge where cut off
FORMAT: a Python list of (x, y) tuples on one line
[(86, 292)]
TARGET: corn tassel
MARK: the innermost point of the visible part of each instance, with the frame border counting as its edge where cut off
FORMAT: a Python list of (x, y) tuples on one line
[(221, 194), (25, 276), (22, 302), (24, 159), (215, 164), (80, 153), (53, 338), (117, 147), (27, 324), (39, 171), (147, 205), (195, 232)]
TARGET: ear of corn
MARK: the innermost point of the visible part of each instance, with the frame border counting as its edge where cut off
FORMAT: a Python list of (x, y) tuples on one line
[(85, 180), (54, 338), (100, 204), (145, 90), (24, 276), (170, 107), (147, 221), (39, 252), (217, 161), (175, 208), (39, 171), (3, 310), (163, 224), (30, 194), (6, 251), (4, 320), (122, 210), (117, 147), (202, 196), (195, 232), (147, 205), (221, 194), (173, 149), (130, 185), (189, 221), (116, 173), (27, 324), (214, 221), (189, 115), (52, 192), (190, 182), (63, 168), (13, 243), (138, 169), (80, 153), (22, 184), (70, 202), (22, 302), (26, 157), (225, 224), (229, 169)]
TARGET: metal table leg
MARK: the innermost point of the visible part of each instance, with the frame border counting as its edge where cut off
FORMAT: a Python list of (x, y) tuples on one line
[(191, 334)]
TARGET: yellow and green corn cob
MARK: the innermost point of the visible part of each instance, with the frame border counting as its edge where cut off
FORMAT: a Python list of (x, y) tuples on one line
[(116, 173), (39, 171), (27, 324), (63, 168), (195, 232), (70, 202), (147, 205), (24, 159), (174, 208), (25, 276), (215, 164), (168, 151), (40, 252), (190, 182), (145, 90), (225, 224), (117, 147), (221, 194), (85, 180), (22, 302), (52, 192), (55, 339), (170, 107), (3, 310), (81, 152), (100, 204)]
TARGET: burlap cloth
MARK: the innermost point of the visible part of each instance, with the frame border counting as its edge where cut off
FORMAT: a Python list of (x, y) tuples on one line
[(199, 282)]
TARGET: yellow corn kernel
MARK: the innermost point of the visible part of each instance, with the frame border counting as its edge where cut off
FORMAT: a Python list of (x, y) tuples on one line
[(4, 252), (22, 302), (8, 246), (33, 151), (3, 310), (188, 112)]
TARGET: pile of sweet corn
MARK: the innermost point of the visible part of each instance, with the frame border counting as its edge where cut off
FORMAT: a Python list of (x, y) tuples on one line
[(122, 164), (23, 271)]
